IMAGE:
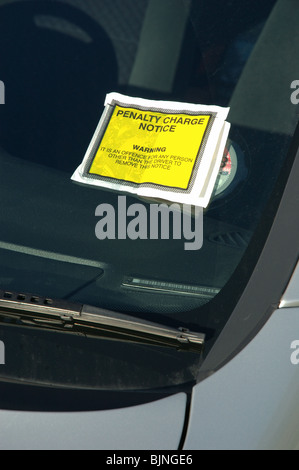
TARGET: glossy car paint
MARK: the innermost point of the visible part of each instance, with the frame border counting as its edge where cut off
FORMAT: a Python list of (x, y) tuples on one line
[(156, 425)]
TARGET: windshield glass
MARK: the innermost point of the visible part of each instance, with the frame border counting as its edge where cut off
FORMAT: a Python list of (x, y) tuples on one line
[(59, 59)]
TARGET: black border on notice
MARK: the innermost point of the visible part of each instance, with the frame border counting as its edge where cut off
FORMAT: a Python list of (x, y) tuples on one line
[(102, 130)]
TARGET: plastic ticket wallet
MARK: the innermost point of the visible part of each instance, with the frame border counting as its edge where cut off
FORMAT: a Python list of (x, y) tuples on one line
[(156, 149)]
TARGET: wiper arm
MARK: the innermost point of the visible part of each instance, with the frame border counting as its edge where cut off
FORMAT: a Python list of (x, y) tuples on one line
[(31, 310)]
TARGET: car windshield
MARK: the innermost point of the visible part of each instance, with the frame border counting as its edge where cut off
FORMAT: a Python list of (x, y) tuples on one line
[(59, 59)]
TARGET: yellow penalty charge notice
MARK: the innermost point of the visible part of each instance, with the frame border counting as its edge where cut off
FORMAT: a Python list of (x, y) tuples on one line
[(157, 149)]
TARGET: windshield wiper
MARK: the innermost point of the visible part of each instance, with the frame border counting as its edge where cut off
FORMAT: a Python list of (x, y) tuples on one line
[(43, 312)]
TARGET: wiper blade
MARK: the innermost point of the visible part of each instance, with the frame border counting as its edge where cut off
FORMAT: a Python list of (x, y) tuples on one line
[(43, 312)]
